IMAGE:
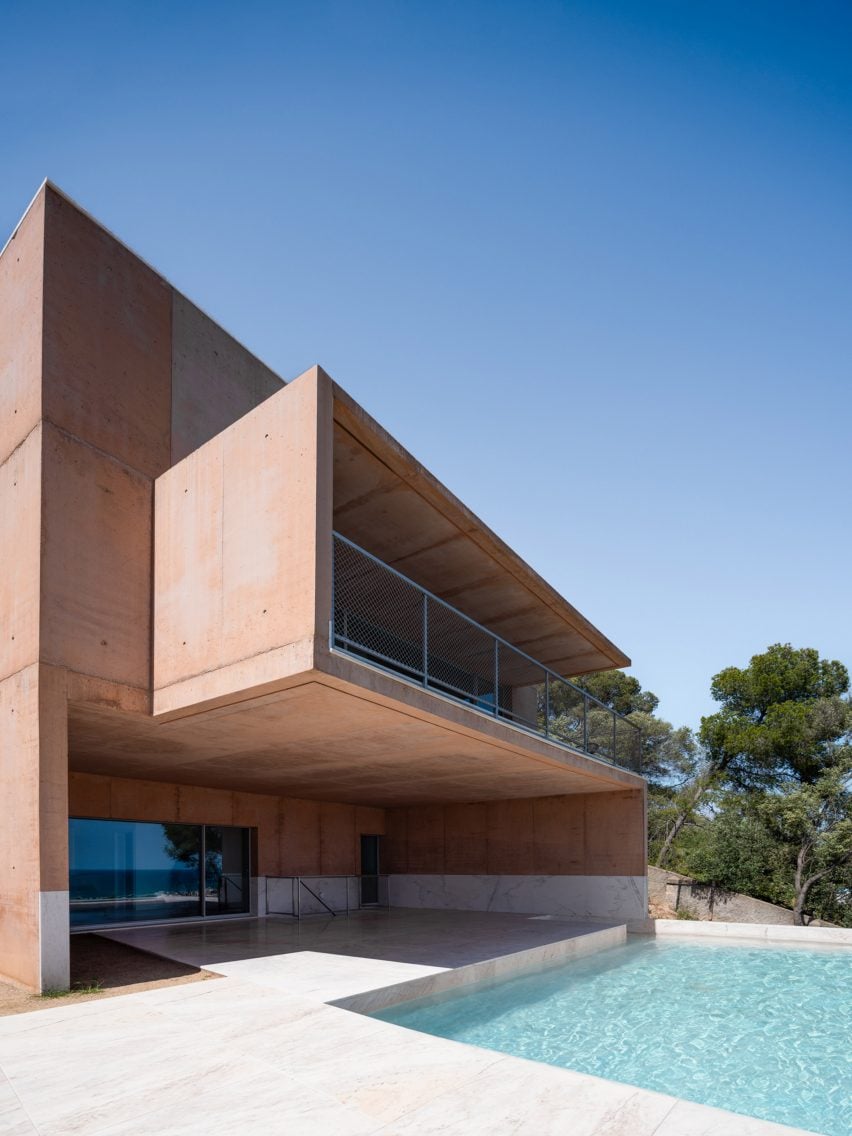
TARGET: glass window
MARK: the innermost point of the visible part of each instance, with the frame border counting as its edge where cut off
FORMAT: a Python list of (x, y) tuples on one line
[(122, 871), (129, 871), (226, 870)]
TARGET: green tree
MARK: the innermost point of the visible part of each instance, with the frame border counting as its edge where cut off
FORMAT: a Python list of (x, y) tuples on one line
[(621, 692), (668, 754), (737, 851), (812, 823), (781, 719), (673, 808), (671, 758), (780, 741)]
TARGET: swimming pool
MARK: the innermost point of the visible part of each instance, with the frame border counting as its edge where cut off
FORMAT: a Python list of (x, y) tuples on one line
[(764, 1031)]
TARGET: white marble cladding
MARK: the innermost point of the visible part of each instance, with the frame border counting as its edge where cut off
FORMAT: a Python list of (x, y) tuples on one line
[(53, 937), (291, 895), (577, 897)]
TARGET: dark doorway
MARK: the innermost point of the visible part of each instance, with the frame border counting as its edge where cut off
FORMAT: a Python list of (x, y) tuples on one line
[(226, 870), (369, 871)]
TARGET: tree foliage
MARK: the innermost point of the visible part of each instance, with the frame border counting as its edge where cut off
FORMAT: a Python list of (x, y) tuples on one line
[(780, 720), (621, 692), (734, 850), (668, 754), (760, 801), (811, 824), (775, 785)]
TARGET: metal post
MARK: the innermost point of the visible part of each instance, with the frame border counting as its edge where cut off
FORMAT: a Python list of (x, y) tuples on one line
[(614, 754), (298, 897), (425, 639), (546, 704), (333, 589), (496, 678), (202, 867), (586, 723)]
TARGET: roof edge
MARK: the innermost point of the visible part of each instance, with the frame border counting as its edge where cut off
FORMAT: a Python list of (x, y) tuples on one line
[(66, 197), (360, 423)]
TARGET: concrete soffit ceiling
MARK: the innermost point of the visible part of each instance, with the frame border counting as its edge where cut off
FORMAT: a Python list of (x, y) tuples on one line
[(387, 502)]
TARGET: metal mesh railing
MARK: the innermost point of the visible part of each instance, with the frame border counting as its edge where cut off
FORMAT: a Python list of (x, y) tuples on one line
[(386, 619)]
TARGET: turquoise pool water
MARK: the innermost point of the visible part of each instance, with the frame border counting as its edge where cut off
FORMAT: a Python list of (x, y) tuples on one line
[(758, 1030)]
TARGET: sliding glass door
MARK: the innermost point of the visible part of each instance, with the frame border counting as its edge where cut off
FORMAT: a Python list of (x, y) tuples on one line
[(137, 871), (226, 870)]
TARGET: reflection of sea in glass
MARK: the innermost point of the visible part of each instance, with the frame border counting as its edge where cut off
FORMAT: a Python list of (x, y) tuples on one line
[(127, 871)]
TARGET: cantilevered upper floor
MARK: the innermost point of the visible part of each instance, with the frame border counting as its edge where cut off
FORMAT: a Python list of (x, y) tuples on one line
[(304, 540), (250, 584)]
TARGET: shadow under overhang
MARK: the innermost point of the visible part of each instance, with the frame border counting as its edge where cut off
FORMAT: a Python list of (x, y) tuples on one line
[(329, 739)]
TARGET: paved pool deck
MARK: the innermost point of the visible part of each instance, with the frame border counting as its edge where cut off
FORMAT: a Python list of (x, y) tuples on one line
[(261, 1050)]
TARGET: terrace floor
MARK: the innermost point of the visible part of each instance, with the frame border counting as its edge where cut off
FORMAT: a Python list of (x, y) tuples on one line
[(261, 1050), (331, 958)]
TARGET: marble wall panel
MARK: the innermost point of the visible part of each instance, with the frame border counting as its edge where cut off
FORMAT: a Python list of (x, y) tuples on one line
[(601, 898)]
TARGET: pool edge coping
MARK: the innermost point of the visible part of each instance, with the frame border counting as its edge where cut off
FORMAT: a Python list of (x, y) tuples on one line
[(779, 933), (544, 957), (528, 961)]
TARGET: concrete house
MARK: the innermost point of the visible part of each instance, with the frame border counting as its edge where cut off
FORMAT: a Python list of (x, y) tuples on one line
[(254, 658)]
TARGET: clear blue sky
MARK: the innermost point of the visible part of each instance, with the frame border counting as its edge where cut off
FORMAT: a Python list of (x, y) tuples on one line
[(591, 262)]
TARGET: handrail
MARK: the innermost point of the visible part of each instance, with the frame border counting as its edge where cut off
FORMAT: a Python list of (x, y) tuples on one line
[(479, 626), (420, 673), (298, 882), (318, 898)]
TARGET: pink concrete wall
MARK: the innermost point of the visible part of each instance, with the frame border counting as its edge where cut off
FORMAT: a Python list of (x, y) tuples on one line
[(242, 541), (33, 835), (107, 350), (584, 834), (20, 536), (294, 837), (132, 373), (20, 882), (96, 564), (215, 380), (105, 373), (33, 748), (107, 404), (21, 289), (20, 441)]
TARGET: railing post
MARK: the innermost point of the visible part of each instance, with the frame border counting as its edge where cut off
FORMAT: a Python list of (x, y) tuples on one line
[(614, 750), (632, 756), (496, 678), (331, 635)]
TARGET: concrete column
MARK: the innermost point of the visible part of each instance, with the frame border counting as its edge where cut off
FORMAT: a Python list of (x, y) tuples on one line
[(34, 944)]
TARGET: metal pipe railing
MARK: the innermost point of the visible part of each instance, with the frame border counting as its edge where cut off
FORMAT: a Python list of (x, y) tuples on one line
[(298, 884), (388, 620)]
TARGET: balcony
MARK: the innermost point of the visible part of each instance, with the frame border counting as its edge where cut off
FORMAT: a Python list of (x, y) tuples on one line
[(384, 619)]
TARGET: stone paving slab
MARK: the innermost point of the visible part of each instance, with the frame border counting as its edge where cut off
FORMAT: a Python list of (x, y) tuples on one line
[(239, 1055)]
